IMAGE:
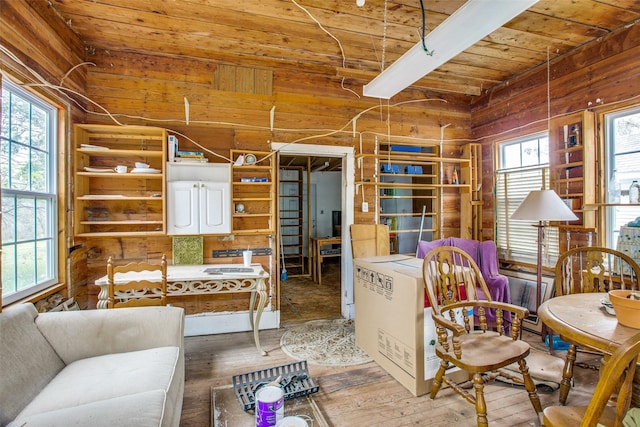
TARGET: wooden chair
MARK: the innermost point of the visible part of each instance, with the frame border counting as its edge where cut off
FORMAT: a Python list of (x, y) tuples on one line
[(589, 269), (618, 370), (452, 280), (369, 240), (147, 285)]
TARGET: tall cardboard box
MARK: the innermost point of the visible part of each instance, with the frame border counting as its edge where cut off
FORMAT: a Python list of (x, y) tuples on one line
[(392, 325)]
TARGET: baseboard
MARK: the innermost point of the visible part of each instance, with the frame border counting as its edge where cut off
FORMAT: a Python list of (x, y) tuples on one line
[(222, 323)]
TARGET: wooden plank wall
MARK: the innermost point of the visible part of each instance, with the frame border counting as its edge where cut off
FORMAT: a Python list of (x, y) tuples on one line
[(309, 104), (37, 39), (602, 76)]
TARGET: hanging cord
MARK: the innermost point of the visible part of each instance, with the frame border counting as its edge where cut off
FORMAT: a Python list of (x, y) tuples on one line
[(344, 57), (384, 37), (423, 33)]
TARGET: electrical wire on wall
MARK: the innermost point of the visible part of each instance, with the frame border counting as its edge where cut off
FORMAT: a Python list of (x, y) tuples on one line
[(344, 57), (73, 96)]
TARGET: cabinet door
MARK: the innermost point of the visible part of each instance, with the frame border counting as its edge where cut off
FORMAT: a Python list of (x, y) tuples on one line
[(183, 207), (215, 207)]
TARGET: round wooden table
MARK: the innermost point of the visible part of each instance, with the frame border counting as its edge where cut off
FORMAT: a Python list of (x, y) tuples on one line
[(581, 319)]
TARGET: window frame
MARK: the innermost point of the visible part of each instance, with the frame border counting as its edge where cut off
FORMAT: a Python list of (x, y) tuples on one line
[(50, 196), (614, 211), (506, 231)]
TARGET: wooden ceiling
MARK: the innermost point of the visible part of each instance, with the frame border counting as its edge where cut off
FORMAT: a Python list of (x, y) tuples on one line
[(351, 41)]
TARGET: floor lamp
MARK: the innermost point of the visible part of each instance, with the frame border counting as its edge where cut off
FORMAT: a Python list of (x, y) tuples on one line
[(540, 206)]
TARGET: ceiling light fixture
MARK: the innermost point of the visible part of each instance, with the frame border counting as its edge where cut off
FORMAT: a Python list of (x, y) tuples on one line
[(470, 23)]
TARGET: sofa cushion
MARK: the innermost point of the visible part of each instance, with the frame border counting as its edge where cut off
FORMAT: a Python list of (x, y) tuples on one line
[(82, 334), (106, 377), (27, 361), (141, 410)]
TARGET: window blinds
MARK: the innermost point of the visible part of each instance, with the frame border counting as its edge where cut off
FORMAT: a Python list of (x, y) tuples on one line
[(517, 239)]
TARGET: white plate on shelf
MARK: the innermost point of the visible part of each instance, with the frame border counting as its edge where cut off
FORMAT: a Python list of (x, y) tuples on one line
[(250, 159), (98, 170), (145, 170)]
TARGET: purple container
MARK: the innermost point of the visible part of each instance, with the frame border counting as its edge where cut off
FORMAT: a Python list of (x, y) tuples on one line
[(269, 406)]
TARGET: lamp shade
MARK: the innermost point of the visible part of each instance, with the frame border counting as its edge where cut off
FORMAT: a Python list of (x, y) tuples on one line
[(543, 205)]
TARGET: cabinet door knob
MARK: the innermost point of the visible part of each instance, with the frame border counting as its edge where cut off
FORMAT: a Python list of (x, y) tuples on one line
[(195, 185)]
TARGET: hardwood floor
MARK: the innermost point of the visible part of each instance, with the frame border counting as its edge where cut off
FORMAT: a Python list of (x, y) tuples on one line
[(357, 395)]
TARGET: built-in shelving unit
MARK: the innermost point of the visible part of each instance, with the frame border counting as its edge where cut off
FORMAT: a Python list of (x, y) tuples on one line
[(412, 180), (291, 217), (253, 192), (572, 165), (111, 204)]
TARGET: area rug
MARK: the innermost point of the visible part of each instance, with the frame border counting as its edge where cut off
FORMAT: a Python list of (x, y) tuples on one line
[(544, 368), (324, 342)]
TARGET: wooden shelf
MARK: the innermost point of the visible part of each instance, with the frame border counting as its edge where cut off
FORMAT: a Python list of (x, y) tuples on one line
[(572, 166), (402, 195), (126, 222), (119, 153), (124, 204), (258, 198), (115, 175), (119, 234)]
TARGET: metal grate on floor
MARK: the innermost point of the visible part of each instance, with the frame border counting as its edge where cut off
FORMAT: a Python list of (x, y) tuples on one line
[(294, 379)]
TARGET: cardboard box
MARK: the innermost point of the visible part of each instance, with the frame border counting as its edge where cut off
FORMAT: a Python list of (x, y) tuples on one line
[(392, 325)]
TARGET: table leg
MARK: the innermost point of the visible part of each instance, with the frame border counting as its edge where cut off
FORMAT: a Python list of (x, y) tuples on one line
[(314, 255), (318, 263), (567, 374), (103, 298), (261, 290), (252, 303)]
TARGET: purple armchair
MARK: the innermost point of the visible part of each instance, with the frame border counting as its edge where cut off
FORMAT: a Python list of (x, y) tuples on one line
[(486, 256)]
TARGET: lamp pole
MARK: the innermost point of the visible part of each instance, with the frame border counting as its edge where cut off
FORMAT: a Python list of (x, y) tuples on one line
[(539, 267)]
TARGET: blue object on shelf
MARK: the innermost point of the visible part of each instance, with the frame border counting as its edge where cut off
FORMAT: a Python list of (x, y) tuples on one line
[(558, 344), (387, 168), (414, 170), (406, 148)]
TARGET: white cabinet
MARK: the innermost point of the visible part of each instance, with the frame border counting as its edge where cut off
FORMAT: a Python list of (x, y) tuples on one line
[(199, 206)]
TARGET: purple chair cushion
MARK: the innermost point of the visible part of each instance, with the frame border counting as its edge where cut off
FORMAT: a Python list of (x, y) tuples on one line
[(425, 247), (485, 254), (497, 284), (467, 245)]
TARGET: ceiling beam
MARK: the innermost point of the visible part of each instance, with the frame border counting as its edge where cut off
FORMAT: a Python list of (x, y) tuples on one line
[(424, 83)]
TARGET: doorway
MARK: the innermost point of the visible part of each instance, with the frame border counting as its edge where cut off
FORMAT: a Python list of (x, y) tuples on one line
[(320, 155)]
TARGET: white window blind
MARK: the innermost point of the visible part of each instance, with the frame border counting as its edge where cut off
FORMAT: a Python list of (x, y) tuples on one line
[(516, 239)]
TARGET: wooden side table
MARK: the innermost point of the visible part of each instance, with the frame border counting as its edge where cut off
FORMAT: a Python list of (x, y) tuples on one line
[(318, 256)]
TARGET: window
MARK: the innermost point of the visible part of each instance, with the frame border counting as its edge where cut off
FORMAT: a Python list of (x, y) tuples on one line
[(622, 141), (523, 167), (29, 195)]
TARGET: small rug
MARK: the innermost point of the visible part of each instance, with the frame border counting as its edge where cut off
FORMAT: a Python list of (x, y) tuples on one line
[(325, 343), (544, 368)]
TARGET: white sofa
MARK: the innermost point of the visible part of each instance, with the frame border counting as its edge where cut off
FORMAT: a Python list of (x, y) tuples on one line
[(122, 367)]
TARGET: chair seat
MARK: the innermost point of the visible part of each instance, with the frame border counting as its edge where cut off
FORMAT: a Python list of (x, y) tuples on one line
[(479, 351), (573, 415)]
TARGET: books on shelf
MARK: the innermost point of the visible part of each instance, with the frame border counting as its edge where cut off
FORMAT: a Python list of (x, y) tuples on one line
[(191, 160), (190, 154)]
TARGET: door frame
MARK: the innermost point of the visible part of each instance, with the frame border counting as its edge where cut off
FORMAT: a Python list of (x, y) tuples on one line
[(348, 193)]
